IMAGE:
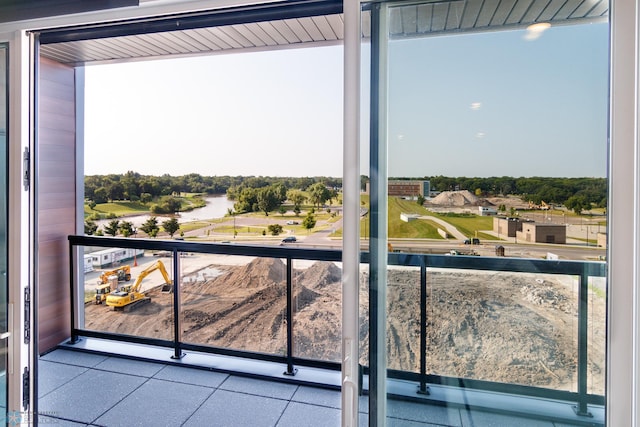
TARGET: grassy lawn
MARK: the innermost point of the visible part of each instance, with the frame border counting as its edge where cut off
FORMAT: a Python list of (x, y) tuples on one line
[(125, 207), (469, 224), (417, 229)]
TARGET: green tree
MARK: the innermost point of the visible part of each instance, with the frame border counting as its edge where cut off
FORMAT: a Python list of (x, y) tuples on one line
[(577, 204), (100, 195), (267, 200), (274, 229), (150, 227), (421, 199), (309, 221), (282, 210), (112, 227), (296, 197), (318, 194), (90, 227), (146, 198), (297, 210), (171, 226), (126, 228), (92, 204)]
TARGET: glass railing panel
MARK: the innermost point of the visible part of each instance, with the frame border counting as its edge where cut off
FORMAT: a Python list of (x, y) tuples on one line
[(403, 318), (512, 328), (596, 355), (122, 292), (363, 315), (233, 302), (317, 310)]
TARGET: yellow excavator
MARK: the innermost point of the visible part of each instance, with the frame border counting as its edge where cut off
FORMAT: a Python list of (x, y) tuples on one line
[(123, 273), (104, 287), (129, 296)]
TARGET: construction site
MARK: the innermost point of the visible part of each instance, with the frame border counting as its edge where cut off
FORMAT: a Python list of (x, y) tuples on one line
[(494, 326)]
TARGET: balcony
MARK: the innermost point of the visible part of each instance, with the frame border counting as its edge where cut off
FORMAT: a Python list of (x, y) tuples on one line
[(195, 323)]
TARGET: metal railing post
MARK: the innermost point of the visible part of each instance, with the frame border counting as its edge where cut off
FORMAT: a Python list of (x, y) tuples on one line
[(177, 349), (290, 369), (422, 388), (72, 292), (583, 343)]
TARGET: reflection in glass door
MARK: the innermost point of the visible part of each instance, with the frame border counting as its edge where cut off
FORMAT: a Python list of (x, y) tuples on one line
[(489, 152), (4, 54)]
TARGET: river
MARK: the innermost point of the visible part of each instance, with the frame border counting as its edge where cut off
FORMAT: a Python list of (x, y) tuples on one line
[(216, 207)]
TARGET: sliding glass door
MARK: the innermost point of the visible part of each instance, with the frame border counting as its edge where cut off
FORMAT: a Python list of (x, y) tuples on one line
[(488, 212), (4, 80)]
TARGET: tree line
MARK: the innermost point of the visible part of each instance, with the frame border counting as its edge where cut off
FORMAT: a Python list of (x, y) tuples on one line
[(574, 193), (144, 188), (266, 194)]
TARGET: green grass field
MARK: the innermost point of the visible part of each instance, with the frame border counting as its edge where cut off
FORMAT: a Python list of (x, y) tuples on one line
[(124, 207), (469, 224), (418, 229)]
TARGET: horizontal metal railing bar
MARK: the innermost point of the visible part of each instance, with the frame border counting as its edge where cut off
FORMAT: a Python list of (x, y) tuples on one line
[(510, 388), (210, 248), (513, 265), (207, 349)]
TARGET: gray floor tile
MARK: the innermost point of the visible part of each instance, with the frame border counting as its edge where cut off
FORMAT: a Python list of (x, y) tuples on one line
[(74, 358), (191, 376), (230, 409), (156, 403), (304, 415), (415, 411), (46, 421), (130, 367), (259, 387), (395, 422), (52, 375), (318, 396), (89, 395), (488, 419)]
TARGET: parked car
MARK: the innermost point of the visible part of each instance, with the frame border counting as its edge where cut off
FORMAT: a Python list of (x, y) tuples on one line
[(473, 241), (289, 239), (292, 222)]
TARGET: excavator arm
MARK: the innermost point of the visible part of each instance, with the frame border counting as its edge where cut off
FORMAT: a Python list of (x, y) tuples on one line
[(129, 296)]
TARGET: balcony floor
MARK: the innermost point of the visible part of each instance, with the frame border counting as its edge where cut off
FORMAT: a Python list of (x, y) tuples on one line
[(79, 389)]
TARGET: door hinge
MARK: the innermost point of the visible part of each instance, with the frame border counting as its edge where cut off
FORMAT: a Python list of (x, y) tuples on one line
[(26, 396), (26, 169), (27, 314)]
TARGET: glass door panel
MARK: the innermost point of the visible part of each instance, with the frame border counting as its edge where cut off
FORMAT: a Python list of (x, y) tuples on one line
[(4, 79), (488, 165)]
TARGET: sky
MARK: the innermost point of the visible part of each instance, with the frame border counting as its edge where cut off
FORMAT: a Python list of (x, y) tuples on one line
[(491, 104)]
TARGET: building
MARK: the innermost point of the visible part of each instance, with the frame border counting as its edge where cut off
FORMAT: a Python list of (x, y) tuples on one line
[(408, 188), (47, 43), (487, 211), (113, 256), (507, 226), (542, 233)]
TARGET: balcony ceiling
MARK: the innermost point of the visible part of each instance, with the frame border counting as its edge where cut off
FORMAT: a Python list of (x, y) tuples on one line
[(407, 21)]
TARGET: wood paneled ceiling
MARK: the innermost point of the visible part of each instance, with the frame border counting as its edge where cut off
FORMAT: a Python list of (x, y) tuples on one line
[(417, 20)]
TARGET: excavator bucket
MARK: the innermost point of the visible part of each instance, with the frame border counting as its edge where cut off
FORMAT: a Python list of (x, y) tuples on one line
[(167, 288)]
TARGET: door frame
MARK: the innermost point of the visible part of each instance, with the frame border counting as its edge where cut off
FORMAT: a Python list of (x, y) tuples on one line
[(19, 273)]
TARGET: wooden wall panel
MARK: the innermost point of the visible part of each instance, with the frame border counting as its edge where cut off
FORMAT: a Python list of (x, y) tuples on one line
[(55, 189)]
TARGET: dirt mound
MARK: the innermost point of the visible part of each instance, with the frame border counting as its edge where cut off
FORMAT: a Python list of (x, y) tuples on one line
[(510, 328), (258, 273), (456, 198), (320, 274)]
